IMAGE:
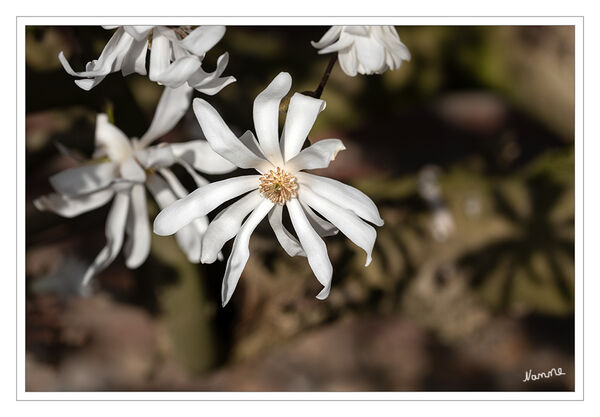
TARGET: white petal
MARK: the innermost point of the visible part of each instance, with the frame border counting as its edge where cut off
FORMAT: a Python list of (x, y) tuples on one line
[(132, 171), (301, 116), (201, 202), (200, 155), (321, 226), (343, 43), (358, 30), (162, 70), (135, 59), (328, 38), (343, 195), (84, 179), (108, 61), (211, 83), (202, 39), (266, 116), (240, 251), (138, 32), (287, 241), (349, 223), (223, 141), (174, 183), (111, 140), (313, 246), (318, 155), (160, 54), (348, 61), (249, 140), (198, 179), (137, 246), (115, 229), (178, 72), (158, 156), (172, 106), (227, 224), (188, 237), (370, 54), (71, 207)]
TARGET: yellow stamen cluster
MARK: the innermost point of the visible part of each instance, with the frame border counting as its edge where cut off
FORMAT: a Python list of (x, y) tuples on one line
[(278, 186)]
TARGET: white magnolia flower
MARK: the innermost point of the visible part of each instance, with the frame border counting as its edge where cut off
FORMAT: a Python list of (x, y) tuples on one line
[(121, 171), (364, 49), (175, 57), (281, 183)]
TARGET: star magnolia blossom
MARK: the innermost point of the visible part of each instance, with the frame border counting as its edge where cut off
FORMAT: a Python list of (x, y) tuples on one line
[(121, 174), (364, 49), (281, 183), (175, 57)]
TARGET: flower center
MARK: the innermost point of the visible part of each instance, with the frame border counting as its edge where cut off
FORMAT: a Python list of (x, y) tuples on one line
[(278, 186)]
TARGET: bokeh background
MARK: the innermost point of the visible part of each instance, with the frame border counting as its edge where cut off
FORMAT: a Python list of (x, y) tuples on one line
[(468, 151)]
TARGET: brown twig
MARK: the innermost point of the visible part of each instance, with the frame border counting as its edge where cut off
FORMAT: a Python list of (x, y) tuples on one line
[(317, 93)]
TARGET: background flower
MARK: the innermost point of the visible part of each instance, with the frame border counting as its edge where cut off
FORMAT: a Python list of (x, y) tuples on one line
[(176, 56), (364, 49), (120, 171)]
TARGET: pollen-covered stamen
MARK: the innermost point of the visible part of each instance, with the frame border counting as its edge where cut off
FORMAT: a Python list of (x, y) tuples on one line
[(278, 186)]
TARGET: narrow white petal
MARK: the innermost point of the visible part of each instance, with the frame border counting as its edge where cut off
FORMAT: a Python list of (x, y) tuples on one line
[(313, 246), (200, 155), (160, 55), (108, 61), (174, 183), (172, 106), (349, 223), (84, 179), (287, 241), (201, 202), (137, 245), (348, 61), (240, 251), (318, 155), (223, 141), (71, 207), (154, 157), (343, 43), (266, 116), (115, 229), (135, 59), (301, 116), (198, 179), (321, 226), (202, 39), (188, 237), (138, 32), (343, 195), (178, 72), (111, 140), (328, 38), (211, 83), (131, 171), (227, 224)]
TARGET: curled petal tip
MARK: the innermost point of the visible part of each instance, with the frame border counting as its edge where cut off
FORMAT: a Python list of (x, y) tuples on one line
[(324, 293)]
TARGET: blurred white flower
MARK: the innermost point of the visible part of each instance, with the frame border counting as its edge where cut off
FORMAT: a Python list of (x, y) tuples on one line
[(175, 57), (364, 49), (280, 184), (442, 224), (121, 170)]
